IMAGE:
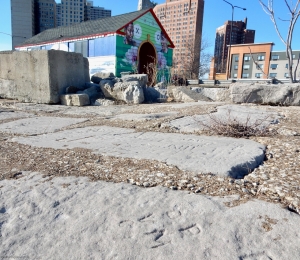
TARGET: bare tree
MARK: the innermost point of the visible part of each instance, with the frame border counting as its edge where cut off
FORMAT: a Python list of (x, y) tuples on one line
[(195, 62), (294, 12), (257, 65)]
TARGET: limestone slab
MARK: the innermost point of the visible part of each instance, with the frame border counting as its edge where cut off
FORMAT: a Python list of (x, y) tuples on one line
[(102, 220), (201, 154), (38, 125), (144, 117), (241, 114)]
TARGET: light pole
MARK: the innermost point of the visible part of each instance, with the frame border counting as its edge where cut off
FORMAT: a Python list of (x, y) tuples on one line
[(228, 57)]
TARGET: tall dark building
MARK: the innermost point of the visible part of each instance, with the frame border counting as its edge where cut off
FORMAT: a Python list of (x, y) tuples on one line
[(240, 35), (77, 11), (30, 17), (45, 15), (95, 12)]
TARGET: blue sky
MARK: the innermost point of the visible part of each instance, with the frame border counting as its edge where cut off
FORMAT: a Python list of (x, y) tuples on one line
[(216, 12)]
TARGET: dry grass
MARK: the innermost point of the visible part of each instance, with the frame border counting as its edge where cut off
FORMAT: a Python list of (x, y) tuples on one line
[(232, 127)]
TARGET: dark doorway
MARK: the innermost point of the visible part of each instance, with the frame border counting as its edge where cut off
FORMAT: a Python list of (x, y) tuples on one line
[(147, 55)]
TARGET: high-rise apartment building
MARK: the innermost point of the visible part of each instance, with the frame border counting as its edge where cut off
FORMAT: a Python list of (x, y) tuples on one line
[(45, 15), (30, 17), (145, 4), (182, 20), (22, 20), (76, 11), (58, 15), (240, 35), (95, 12), (72, 11)]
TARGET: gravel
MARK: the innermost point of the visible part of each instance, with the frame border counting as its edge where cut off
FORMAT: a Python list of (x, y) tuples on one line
[(277, 180)]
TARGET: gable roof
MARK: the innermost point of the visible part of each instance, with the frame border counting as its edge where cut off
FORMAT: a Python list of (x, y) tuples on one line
[(100, 26), (92, 28)]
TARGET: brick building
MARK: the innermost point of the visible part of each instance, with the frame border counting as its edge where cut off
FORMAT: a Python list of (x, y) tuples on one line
[(183, 20), (240, 35), (256, 61)]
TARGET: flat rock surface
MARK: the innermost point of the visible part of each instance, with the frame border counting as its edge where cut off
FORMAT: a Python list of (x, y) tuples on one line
[(9, 114), (68, 202), (144, 117), (204, 154), (233, 113), (38, 125), (73, 218)]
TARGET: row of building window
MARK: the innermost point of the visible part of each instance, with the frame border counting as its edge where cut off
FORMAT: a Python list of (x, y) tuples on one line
[(260, 57), (259, 75), (259, 66)]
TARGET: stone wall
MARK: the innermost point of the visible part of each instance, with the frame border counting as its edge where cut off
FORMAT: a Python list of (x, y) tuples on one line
[(41, 76)]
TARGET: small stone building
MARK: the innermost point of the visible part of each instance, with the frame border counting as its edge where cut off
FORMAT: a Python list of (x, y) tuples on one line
[(118, 44)]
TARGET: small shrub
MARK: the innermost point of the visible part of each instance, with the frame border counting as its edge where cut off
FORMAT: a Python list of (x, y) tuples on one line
[(232, 127)]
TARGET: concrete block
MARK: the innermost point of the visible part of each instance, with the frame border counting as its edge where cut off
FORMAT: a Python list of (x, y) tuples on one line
[(40, 76), (75, 100)]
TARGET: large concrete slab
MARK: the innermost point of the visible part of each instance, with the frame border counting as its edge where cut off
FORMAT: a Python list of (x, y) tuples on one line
[(41, 76), (201, 154), (38, 125), (227, 113)]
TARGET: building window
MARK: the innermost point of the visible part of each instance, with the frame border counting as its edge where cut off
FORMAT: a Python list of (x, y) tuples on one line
[(236, 58), (286, 66), (246, 67), (273, 75), (261, 57), (274, 66), (286, 75), (245, 75), (235, 67), (258, 75), (275, 57), (247, 58), (235, 75)]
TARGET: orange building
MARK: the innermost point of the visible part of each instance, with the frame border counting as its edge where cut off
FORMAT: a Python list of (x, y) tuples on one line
[(246, 61)]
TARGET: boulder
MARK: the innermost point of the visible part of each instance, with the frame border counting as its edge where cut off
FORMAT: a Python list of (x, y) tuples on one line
[(154, 94), (106, 87), (161, 85), (271, 94), (104, 102), (183, 94), (96, 79), (75, 100), (215, 94), (94, 92), (104, 75), (141, 78), (72, 90), (130, 92)]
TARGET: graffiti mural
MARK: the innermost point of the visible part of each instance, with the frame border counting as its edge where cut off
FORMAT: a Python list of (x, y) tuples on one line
[(135, 34)]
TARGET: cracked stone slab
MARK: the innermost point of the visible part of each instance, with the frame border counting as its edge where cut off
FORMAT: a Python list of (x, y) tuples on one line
[(144, 117), (225, 113), (11, 114), (201, 154), (39, 125), (102, 220)]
